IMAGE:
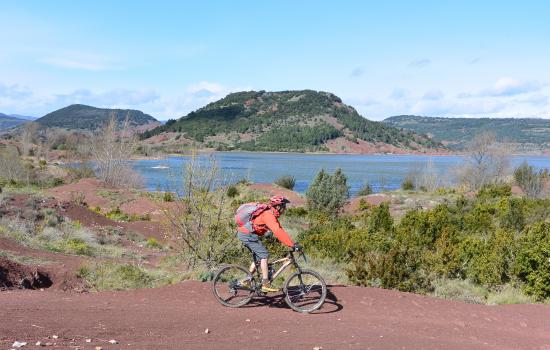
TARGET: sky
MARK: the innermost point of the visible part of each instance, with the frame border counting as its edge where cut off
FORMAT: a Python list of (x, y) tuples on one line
[(168, 58)]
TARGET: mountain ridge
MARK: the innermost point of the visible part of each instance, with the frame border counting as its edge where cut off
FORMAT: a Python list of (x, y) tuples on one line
[(524, 134), (297, 120), (79, 116)]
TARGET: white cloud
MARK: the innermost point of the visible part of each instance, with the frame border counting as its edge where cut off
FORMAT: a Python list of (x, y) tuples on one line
[(505, 86), (357, 72), (420, 63), (434, 94), (398, 94), (80, 61)]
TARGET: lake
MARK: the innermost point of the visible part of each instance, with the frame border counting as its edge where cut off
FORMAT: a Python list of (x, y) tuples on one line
[(382, 172)]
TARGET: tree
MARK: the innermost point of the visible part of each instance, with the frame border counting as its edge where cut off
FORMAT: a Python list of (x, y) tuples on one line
[(201, 221), (28, 134), (111, 150), (530, 180), (328, 193), (487, 163)]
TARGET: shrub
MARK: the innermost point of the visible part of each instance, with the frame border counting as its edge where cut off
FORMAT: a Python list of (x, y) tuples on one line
[(232, 191), (460, 290), (365, 190), (407, 185), (110, 276), (168, 197), (530, 180), (532, 265), (296, 212), (328, 193), (286, 181), (508, 295), (153, 243)]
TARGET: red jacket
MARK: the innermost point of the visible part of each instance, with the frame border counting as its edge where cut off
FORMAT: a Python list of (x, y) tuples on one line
[(267, 221)]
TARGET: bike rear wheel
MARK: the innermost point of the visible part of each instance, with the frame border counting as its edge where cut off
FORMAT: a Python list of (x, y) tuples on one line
[(305, 291), (233, 286)]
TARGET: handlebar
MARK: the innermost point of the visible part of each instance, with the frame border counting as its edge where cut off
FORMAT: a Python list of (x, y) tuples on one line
[(301, 252)]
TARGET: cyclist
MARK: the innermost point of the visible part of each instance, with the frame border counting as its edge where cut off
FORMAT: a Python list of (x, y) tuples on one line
[(261, 224)]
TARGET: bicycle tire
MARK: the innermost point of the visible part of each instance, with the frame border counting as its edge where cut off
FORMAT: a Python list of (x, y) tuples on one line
[(295, 293), (224, 278)]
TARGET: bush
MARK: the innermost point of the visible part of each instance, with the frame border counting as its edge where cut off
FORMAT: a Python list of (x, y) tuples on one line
[(460, 290), (153, 243), (286, 181), (328, 193), (110, 276), (407, 185), (530, 180), (232, 191), (168, 197), (365, 190), (532, 264)]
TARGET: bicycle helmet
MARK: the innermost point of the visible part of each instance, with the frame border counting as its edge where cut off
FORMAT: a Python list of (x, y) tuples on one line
[(278, 200)]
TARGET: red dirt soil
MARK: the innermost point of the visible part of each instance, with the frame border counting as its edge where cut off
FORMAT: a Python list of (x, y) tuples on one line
[(177, 316)]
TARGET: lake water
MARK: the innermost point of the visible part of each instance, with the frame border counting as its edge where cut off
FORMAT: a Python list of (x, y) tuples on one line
[(382, 172)]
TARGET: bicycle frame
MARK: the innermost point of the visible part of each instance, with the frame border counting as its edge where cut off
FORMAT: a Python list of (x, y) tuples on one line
[(286, 262)]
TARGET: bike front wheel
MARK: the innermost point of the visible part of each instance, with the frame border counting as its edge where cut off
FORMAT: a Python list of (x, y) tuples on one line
[(233, 286), (305, 291)]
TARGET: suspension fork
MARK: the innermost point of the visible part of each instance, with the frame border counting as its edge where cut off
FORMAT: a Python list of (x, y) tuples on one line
[(299, 271)]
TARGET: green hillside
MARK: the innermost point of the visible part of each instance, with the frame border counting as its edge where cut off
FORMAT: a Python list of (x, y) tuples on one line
[(86, 117), (527, 133), (284, 121), (8, 122)]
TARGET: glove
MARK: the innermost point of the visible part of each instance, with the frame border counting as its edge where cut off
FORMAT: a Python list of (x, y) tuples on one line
[(296, 247)]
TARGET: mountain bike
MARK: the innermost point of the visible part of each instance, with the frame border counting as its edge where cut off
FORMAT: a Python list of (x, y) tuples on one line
[(304, 290)]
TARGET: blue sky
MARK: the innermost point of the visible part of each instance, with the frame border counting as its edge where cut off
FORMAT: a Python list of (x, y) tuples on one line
[(167, 58)]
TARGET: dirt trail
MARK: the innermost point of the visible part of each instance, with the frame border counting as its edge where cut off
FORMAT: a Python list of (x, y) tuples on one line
[(176, 317)]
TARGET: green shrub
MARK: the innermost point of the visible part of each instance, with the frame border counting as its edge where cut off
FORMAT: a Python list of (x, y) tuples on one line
[(508, 294), (110, 276), (296, 212), (532, 265), (153, 243), (460, 290), (168, 197), (495, 191), (328, 193), (286, 181), (232, 191), (79, 247), (407, 185), (365, 190)]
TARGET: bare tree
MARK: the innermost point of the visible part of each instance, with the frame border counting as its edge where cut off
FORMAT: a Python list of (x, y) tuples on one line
[(201, 219), (111, 151), (530, 180), (28, 134), (488, 162)]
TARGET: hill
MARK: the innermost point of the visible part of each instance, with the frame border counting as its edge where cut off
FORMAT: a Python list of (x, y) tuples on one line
[(9, 121), (303, 120), (87, 117), (526, 134)]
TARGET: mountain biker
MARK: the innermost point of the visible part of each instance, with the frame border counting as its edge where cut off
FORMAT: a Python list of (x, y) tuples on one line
[(261, 224)]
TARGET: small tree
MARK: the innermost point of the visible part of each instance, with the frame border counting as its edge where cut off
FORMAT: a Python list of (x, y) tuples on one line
[(28, 133), (201, 221), (530, 180), (328, 193), (487, 163), (111, 150)]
